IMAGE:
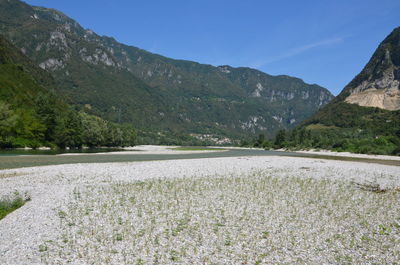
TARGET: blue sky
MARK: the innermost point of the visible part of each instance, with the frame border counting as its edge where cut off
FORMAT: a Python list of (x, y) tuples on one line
[(326, 42)]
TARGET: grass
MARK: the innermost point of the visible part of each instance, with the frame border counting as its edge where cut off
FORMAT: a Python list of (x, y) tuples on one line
[(245, 219), (9, 205), (319, 126)]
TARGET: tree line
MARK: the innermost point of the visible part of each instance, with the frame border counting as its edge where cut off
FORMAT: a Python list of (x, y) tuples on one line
[(52, 123), (336, 139)]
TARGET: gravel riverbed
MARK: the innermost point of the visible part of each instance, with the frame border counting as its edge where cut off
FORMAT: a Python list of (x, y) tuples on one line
[(243, 210)]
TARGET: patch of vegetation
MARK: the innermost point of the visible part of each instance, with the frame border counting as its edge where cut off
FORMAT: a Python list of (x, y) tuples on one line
[(340, 140), (9, 205)]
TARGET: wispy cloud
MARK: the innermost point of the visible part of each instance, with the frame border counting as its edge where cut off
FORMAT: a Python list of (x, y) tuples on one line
[(298, 50)]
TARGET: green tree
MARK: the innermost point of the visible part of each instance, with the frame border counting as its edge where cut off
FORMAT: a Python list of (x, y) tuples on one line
[(267, 145), (30, 128), (69, 130), (8, 119), (259, 142), (49, 112), (280, 139), (94, 130)]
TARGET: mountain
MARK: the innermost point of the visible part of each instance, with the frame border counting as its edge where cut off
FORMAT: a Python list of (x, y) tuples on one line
[(127, 84), (378, 85), (365, 116), (33, 115)]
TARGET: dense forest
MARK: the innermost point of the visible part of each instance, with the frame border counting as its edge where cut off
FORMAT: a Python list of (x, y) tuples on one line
[(52, 126)]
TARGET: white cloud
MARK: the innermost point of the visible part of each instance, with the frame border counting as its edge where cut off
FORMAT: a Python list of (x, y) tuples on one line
[(298, 50)]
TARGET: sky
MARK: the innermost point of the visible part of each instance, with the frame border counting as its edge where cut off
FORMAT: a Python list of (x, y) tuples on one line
[(324, 42)]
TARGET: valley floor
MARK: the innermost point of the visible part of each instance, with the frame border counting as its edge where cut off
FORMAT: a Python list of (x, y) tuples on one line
[(255, 210)]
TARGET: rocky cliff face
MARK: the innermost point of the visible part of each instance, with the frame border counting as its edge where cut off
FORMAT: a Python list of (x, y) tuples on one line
[(127, 84), (383, 93), (378, 85)]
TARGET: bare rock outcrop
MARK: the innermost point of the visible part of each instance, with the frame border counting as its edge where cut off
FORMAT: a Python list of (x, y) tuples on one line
[(382, 93)]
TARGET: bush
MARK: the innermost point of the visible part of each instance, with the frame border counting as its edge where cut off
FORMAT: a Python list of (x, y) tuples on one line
[(396, 151), (267, 145)]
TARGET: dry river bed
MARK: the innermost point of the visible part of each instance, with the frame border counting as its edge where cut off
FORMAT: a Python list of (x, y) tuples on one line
[(230, 210)]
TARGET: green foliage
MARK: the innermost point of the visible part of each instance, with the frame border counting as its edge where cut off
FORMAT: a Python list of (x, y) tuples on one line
[(8, 119), (94, 130), (244, 143), (260, 140), (344, 139), (344, 115), (280, 139), (69, 130), (98, 132), (29, 126), (267, 145), (9, 205)]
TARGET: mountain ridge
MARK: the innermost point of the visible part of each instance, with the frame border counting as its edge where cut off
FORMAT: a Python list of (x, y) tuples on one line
[(177, 95)]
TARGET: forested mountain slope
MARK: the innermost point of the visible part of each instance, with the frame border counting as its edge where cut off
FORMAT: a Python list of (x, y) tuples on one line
[(127, 84), (33, 115)]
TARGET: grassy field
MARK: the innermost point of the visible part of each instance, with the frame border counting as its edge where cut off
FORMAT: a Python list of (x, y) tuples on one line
[(246, 219)]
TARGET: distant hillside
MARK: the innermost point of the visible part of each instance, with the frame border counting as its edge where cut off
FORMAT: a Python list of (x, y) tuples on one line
[(127, 84), (365, 116), (32, 115)]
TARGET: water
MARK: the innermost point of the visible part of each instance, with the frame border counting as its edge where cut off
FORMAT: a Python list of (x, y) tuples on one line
[(17, 160), (20, 152)]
